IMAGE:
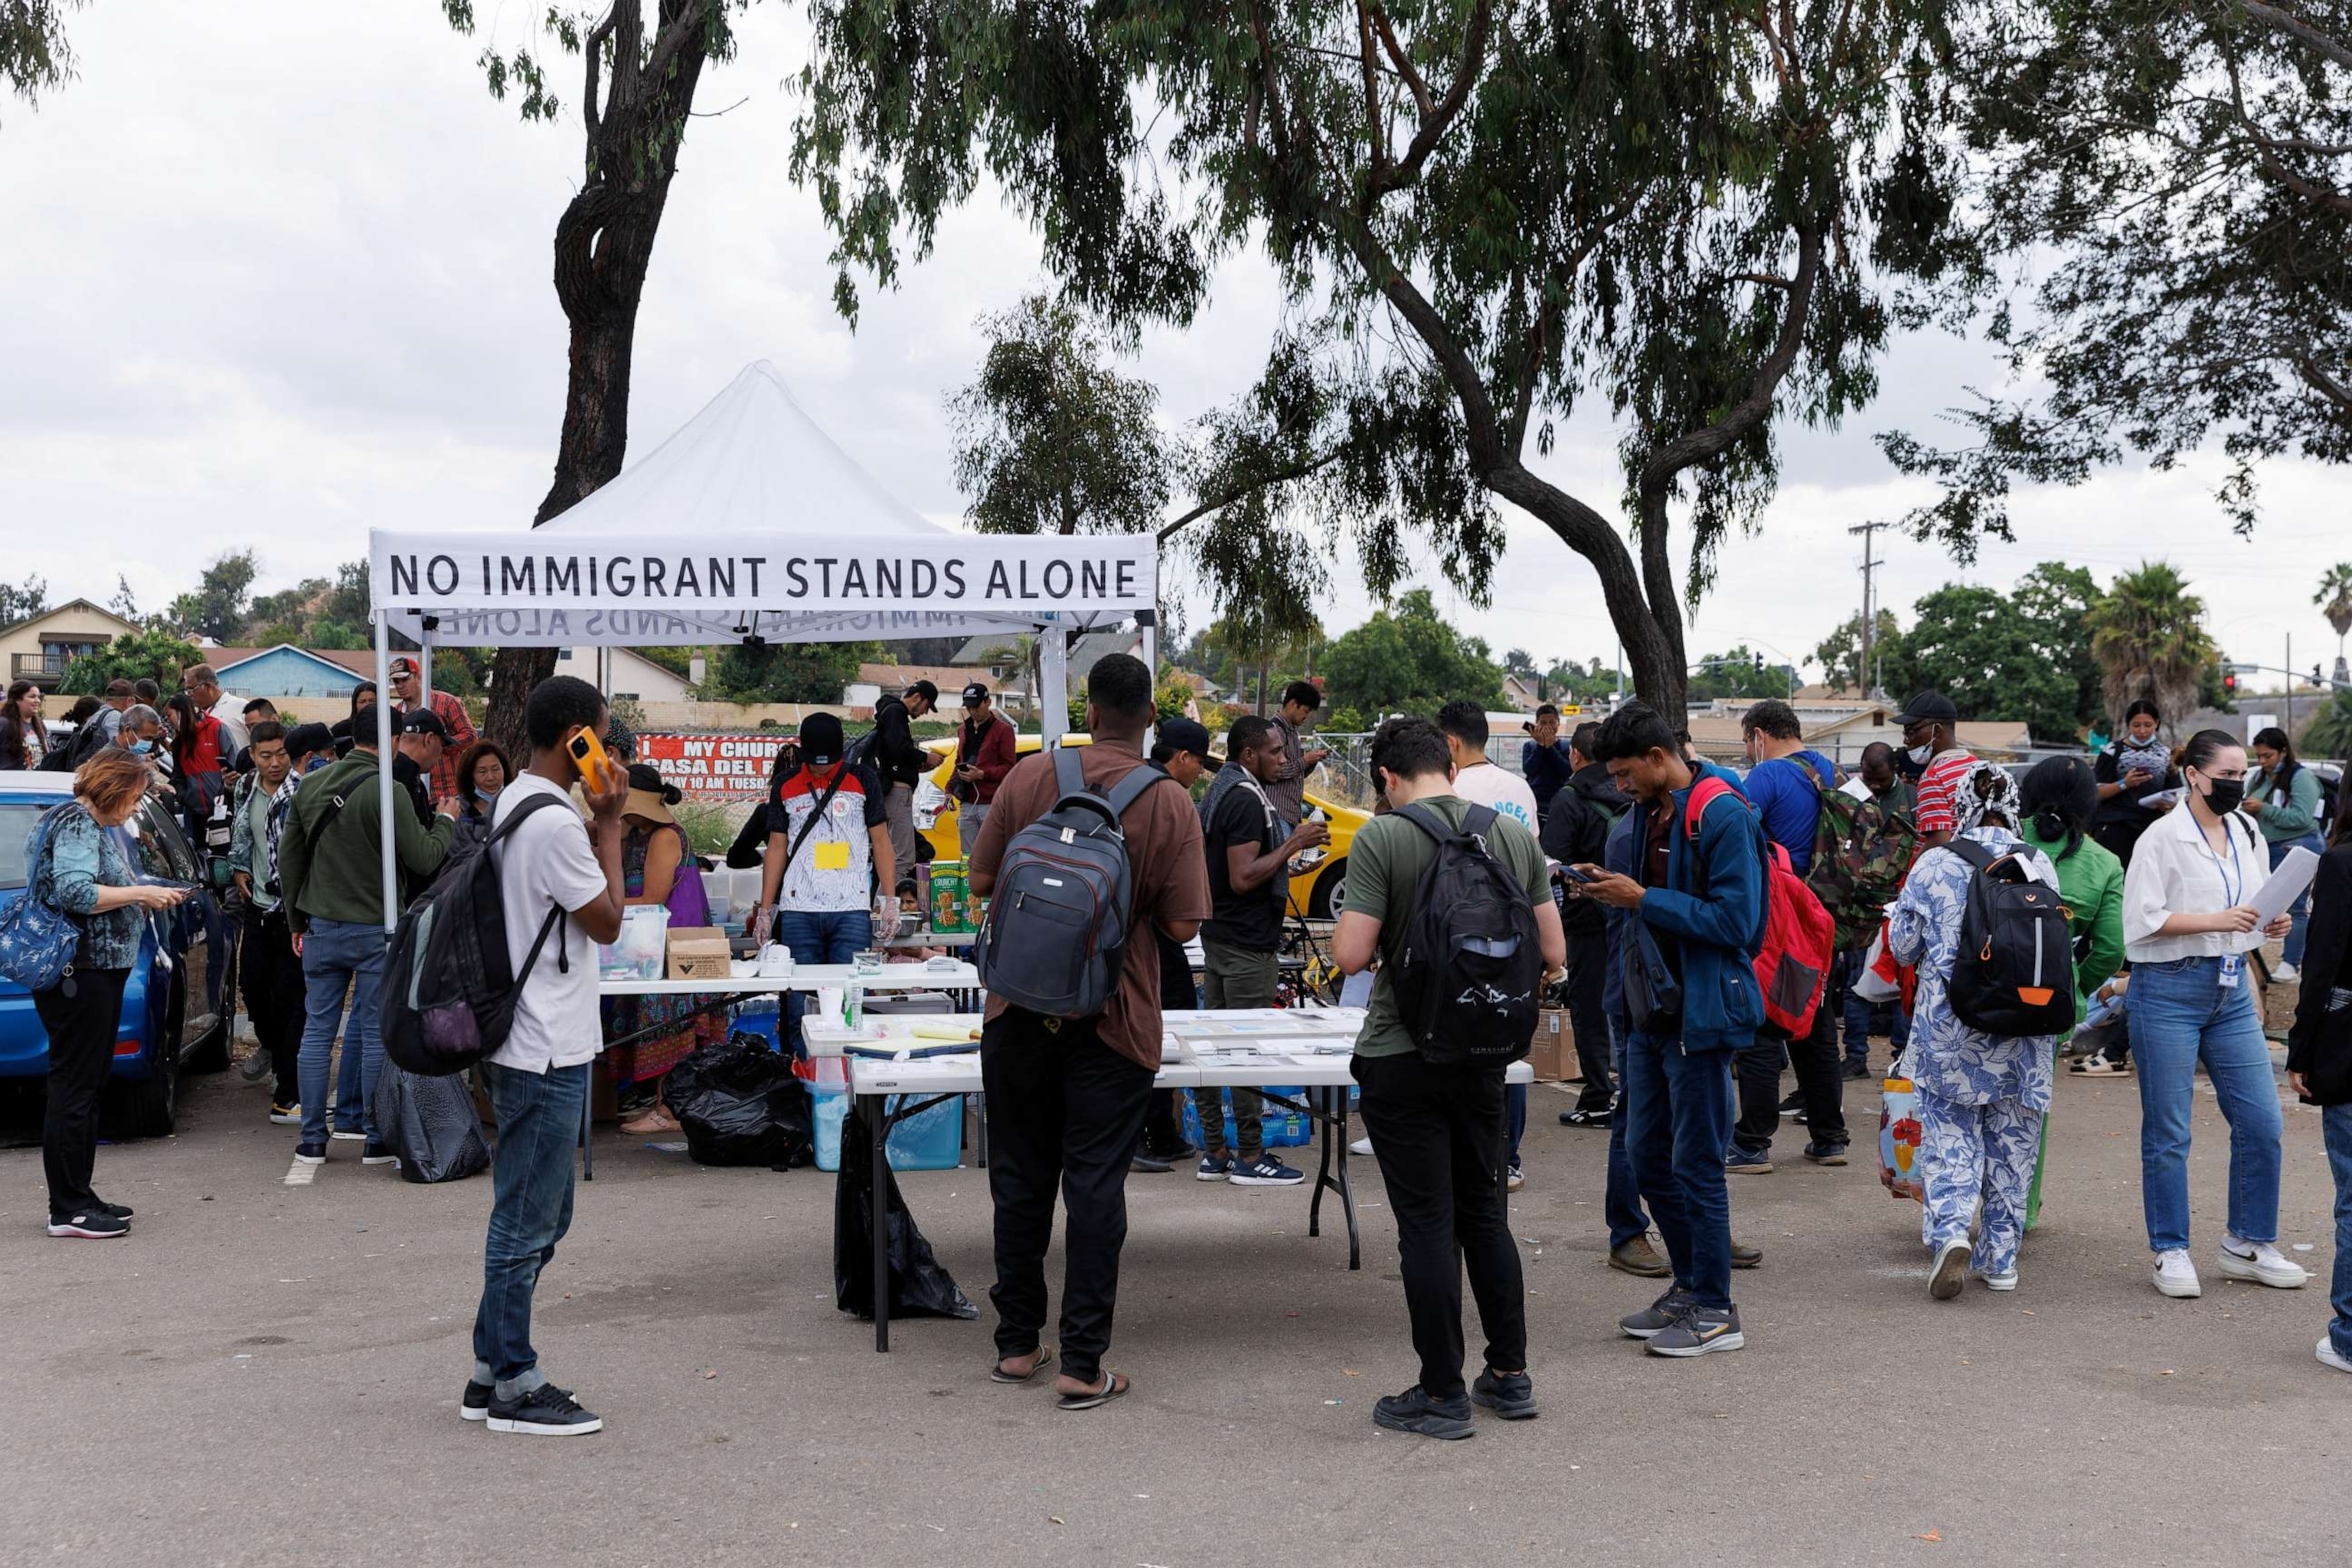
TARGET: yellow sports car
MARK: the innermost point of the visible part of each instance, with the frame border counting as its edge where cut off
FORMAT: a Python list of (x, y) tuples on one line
[(1314, 892)]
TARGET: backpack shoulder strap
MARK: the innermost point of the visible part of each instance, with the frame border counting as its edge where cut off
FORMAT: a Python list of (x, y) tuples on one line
[(1428, 821), (1129, 790), (1969, 850), (1478, 821), (1705, 792), (515, 817), (1069, 772)]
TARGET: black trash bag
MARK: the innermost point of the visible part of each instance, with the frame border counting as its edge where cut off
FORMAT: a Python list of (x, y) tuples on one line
[(918, 1287), (741, 1105), (430, 1124)]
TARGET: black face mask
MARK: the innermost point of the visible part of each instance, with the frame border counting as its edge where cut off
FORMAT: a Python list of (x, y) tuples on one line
[(2224, 796)]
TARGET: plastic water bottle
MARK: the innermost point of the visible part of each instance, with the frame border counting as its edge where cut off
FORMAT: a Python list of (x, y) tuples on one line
[(853, 1006), (1307, 858)]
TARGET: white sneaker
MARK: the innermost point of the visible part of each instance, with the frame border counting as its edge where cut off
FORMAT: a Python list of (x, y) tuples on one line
[(2329, 1356), (2286, 975), (1514, 1180), (1361, 1146), (2262, 1263), (2175, 1275), (2001, 1281)]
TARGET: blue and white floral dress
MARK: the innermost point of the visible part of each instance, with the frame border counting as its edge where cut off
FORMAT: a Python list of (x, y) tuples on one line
[(1981, 1096)]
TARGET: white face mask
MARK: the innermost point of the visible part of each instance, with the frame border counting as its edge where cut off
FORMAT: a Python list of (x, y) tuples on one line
[(1922, 755)]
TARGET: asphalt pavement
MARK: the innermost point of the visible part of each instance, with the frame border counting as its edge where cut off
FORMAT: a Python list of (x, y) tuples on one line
[(265, 1373)]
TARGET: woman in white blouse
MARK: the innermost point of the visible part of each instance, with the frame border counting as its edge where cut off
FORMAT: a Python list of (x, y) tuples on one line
[(2189, 922)]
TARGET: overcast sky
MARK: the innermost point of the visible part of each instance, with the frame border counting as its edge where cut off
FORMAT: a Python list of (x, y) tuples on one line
[(278, 273)]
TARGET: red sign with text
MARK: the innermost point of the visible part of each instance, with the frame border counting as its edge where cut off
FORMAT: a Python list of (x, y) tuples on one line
[(714, 767)]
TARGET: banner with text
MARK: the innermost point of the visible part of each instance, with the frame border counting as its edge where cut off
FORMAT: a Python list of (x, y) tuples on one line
[(714, 767)]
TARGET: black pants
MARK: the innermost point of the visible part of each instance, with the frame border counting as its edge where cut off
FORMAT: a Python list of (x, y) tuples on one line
[(1064, 1111), (1439, 1138), (1588, 988), (1163, 1133), (1821, 1080), (81, 1048), (275, 995)]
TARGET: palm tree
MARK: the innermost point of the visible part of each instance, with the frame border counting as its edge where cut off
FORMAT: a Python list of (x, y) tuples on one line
[(2335, 602), (2149, 638)]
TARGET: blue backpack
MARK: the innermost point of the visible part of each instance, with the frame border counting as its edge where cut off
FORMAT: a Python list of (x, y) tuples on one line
[(37, 941)]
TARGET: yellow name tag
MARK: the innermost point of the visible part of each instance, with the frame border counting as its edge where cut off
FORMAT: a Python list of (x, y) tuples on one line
[(831, 857)]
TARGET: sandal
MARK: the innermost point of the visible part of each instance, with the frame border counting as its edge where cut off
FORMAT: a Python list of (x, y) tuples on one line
[(996, 1373), (655, 1120), (1115, 1385)]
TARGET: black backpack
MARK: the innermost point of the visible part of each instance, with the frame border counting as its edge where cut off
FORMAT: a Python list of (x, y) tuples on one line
[(1468, 979), (1058, 921), (449, 989), (2014, 973)]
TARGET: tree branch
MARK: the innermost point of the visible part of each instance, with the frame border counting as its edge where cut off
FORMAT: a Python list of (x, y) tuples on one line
[(1438, 120), (2279, 21), (1404, 66), (2328, 387), (1701, 444), (1298, 470)]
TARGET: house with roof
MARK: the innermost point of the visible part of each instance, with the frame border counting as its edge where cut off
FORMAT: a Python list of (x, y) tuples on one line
[(285, 672), (39, 647)]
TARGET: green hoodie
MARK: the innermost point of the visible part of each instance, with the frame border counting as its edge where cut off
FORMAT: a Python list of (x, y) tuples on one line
[(340, 876)]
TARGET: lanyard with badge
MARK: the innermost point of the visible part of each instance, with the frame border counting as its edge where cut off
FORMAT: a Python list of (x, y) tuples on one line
[(2232, 965)]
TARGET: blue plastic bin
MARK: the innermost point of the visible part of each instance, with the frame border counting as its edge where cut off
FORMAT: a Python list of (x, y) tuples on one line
[(928, 1141), (1283, 1129)]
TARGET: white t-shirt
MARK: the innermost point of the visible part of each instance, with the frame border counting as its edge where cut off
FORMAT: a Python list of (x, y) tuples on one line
[(1506, 791), (548, 860)]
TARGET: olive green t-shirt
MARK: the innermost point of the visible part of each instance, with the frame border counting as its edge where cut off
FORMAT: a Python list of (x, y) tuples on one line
[(1385, 867)]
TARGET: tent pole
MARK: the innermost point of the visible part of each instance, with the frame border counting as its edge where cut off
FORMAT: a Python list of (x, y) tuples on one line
[(1054, 676), (384, 766), (1150, 621)]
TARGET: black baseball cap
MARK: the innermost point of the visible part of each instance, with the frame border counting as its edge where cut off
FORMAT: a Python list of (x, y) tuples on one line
[(423, 721), (1184, 735), (974, 695), (1928, 707), (925, 691), (821, 743)]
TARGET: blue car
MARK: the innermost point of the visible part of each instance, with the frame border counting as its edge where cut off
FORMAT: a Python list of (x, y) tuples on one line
[(163, 1032)]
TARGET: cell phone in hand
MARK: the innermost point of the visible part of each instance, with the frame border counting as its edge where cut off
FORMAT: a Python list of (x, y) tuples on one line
[(595, 761), (1575, 874)]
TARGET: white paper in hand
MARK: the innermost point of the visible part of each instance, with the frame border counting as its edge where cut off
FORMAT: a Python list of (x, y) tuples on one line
[(2286, 884)]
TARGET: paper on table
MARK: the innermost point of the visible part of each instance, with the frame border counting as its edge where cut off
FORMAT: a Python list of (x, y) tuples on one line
[(2286, 883)]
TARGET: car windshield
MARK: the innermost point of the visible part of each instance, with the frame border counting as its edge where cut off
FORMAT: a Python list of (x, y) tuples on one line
[(17, 820)]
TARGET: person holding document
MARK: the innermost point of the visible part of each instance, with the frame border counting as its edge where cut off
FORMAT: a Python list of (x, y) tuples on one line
[(2191, 917), (2283, 800)]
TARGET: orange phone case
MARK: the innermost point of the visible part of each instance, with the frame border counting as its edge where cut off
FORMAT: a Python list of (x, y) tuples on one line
[(594, 759)]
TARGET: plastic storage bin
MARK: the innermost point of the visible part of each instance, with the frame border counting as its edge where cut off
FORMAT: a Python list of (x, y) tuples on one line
[(641, 950), (1283, 1129), (928, 1141)]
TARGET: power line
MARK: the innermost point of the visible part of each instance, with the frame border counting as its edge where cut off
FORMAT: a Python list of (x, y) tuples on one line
[(1869, 531)]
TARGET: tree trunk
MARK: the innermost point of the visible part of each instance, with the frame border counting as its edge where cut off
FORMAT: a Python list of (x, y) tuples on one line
[(604, 244)]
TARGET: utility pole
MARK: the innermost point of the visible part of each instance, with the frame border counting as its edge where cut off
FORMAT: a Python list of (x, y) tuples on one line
[(1869, 531)]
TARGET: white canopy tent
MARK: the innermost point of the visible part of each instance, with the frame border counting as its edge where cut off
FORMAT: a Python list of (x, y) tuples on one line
[(748, 524)]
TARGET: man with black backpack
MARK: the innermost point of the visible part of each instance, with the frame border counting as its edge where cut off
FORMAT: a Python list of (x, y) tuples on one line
[(1087, 851), (547, 863), (1691, 997), (1455, 903), (330, 864)]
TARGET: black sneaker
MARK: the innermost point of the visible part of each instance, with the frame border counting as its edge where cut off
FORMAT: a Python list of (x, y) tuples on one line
[(1266, 1171), (1512, 1397), (1825, 1153), (1747, 1161), (119, 1211), (1794, 1105), (1700, 1331), (88, 1224), (378, 1154), (1414, 1410), (1149, 1164), (1858, 1072), (310, 1154), (474, 1405), (1657, 1317), (546, 1411)]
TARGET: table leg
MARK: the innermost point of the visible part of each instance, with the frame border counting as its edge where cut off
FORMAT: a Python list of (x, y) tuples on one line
[(1323, 1170), (1346, 1187), (880, 1154)]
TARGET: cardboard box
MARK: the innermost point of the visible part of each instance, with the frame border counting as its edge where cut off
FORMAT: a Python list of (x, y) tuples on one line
[(700, 952), (1553, 1056)]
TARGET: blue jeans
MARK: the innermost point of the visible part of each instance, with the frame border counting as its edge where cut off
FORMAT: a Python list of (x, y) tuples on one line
[(1678, 1106), (2301, 910), (349, 1102), (1623, 1203), (2182, 1014), (831, 936), (530, 1208), (2335, 1128), (337, 956)]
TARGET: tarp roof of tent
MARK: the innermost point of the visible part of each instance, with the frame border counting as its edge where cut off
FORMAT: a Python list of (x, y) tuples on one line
[(748, 521)]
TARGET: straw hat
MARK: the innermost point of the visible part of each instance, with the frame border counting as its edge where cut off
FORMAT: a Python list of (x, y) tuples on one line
[(649, 797)]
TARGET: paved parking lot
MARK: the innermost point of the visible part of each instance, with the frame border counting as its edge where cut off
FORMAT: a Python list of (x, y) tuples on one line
[(268, 1374)]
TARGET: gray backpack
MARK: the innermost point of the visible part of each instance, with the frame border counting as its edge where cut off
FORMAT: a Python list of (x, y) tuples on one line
[(1057, 922)]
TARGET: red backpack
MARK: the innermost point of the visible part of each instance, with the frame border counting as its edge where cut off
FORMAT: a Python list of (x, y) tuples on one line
[(1792, 965)]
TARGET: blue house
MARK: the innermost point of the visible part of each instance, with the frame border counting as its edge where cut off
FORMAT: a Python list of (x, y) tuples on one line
[(287, 671)]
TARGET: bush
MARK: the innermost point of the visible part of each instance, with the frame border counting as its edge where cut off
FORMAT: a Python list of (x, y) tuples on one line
[(707, 831)]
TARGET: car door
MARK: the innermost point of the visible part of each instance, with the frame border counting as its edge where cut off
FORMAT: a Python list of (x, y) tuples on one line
[(187, 932)]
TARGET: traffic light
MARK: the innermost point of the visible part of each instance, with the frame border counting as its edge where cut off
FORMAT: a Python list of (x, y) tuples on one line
[(2229, 682), (1759, 664), (2315, 674)]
